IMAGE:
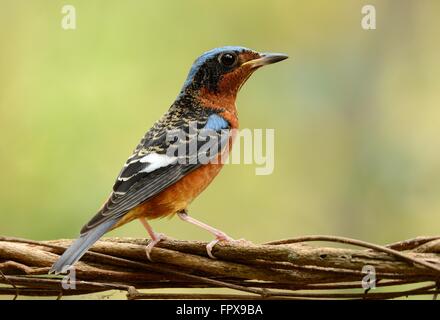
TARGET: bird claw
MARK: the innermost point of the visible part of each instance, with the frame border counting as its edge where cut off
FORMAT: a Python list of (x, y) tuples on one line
[(154, 241), (219, 237), (209, 247)]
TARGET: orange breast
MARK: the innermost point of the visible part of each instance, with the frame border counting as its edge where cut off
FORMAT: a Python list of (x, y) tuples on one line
[(176, 197)]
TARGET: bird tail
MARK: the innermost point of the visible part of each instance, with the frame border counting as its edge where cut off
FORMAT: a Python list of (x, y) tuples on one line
[(78, 248)]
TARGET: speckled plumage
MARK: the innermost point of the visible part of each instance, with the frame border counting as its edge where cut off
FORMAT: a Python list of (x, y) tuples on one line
[(156, 183)]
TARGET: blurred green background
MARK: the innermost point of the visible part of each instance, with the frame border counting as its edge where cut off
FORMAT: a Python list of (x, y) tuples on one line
[(356, 114)]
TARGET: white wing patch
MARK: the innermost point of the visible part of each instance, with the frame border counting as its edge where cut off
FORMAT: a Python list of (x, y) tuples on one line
[(148, 163), (156, 161)]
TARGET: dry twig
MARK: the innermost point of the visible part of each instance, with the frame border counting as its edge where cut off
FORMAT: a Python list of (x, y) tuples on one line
[(285, 269)]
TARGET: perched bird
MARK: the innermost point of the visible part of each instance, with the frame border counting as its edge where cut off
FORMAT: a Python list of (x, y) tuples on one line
[(155, 182)]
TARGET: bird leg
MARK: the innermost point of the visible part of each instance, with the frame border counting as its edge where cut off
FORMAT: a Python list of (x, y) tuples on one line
[(155, 237), (219, 235)]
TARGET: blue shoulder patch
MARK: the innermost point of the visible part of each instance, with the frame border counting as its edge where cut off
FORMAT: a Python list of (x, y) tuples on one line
[(216, 122)]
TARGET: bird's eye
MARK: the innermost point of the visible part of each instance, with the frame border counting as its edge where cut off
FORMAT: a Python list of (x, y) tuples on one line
[(228, 59)]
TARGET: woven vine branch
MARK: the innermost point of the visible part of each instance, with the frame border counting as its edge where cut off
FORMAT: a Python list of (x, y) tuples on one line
[(284, 269)]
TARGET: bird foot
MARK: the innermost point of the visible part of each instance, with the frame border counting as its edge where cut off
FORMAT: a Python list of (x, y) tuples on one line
[(154, 241), (220, 236)]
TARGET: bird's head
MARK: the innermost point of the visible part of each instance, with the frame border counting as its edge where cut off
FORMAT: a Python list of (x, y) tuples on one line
[(217, 75)]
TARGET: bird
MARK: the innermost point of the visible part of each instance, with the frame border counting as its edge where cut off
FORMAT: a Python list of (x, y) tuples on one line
[(155, 182)]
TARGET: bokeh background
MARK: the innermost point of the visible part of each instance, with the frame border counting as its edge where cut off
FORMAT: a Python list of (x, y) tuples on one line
[(356, 114)]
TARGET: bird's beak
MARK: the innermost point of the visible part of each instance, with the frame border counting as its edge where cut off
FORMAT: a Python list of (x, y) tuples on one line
[(265, 59)]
